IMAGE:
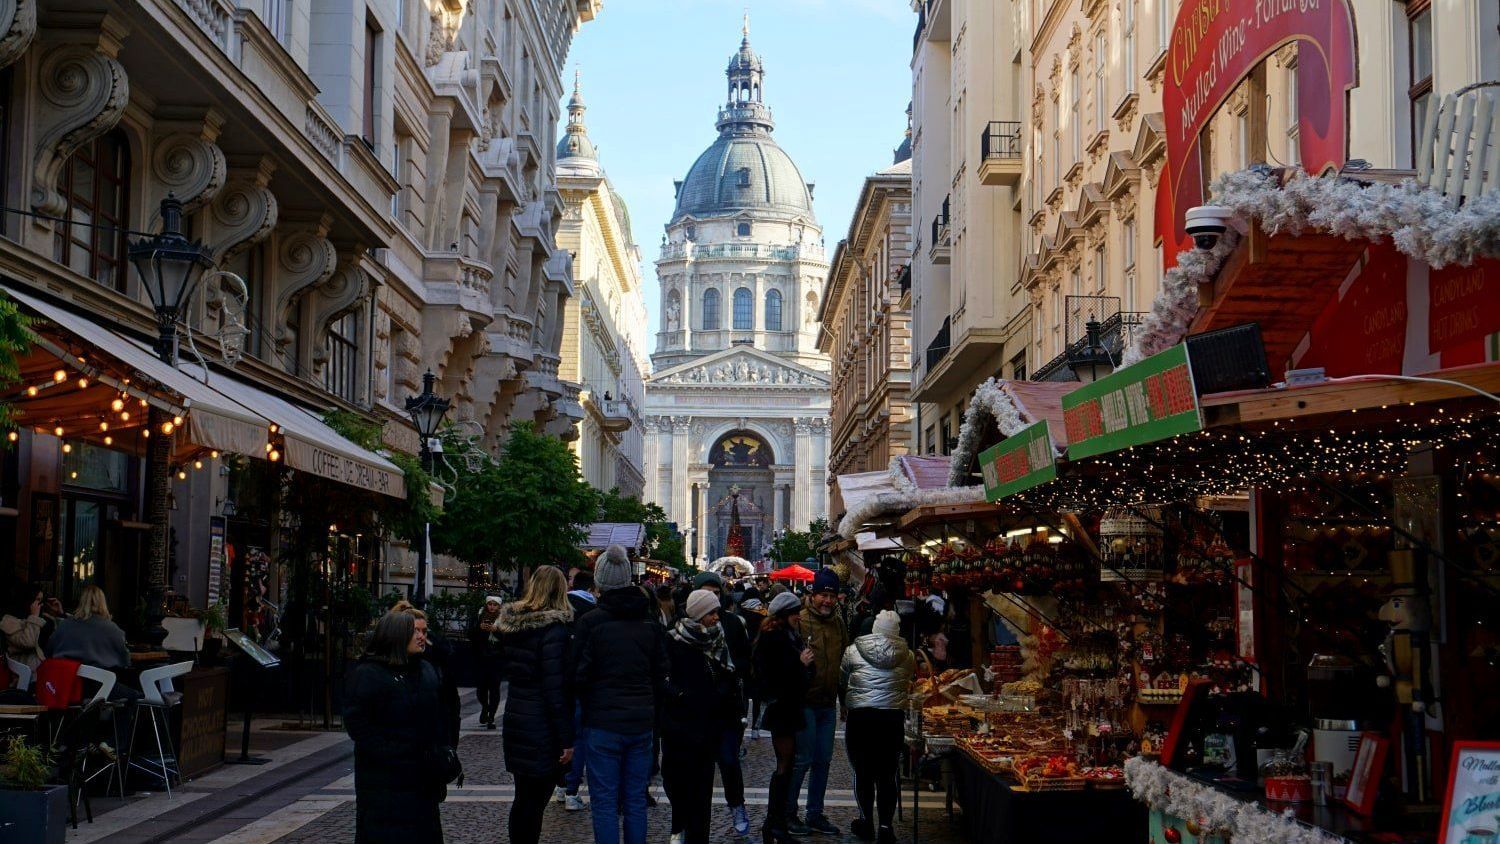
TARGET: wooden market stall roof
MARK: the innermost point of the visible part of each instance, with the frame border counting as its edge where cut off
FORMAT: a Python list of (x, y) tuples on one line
[(1282, 283), (1345, 394), (1038, 401), (926, 515)]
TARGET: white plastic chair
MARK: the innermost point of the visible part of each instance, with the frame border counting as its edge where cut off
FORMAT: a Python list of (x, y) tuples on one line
[(156, 684), (104, 677), (23, 674)]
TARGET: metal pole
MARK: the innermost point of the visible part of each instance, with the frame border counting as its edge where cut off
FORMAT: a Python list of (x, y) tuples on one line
[(419, 589), (159, 486)]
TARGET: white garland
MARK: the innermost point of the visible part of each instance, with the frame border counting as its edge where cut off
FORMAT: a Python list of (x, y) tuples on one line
[(988, 400), (1245, 823), (899, 480), (1176, 304), (889, 502), (737, 562)]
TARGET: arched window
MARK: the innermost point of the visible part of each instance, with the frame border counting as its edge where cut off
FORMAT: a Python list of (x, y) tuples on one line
[(744, 309), (94, 184), (773, 310), (711, 309)]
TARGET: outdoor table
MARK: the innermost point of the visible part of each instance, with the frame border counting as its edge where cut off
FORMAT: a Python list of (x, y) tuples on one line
[(998, 810), (22, 715), (148, 657)]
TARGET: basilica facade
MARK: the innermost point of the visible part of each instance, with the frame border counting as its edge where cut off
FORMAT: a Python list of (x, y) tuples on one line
[(737, 407)]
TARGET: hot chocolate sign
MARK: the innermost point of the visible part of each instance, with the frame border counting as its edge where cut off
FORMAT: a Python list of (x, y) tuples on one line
[(1215, 45)]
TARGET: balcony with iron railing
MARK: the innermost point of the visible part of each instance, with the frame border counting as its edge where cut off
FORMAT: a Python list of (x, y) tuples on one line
[(939, 252), (942, 341), (1116, 332), (1000, 153)]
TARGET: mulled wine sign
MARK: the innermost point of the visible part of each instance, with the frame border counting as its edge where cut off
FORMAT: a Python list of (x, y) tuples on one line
[(1218, 43), (1152, 400), (1471, 810), (1019, 462)]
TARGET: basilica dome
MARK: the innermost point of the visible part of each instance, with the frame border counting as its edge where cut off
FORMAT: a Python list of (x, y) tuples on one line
[(744, 170)]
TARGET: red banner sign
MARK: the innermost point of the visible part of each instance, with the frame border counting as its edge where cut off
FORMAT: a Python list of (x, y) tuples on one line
[(1215, 45)]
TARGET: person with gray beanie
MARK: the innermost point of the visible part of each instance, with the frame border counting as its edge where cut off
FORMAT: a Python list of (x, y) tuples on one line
[(621, 677), (876, 676)]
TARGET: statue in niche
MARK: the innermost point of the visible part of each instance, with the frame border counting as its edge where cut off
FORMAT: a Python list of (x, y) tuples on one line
[(674, 316)]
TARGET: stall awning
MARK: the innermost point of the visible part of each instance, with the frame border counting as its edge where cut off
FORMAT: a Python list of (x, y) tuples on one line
[(312, 446), (213, 420)]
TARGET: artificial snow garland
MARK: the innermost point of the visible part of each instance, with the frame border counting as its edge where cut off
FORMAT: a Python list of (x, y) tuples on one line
[(988, 399), (737, 562), (1176, 304), (889, 502), (899, 480), (1216, 812)]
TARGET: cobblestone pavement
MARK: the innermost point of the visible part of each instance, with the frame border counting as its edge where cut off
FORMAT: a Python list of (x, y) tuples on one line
[(476, 814)]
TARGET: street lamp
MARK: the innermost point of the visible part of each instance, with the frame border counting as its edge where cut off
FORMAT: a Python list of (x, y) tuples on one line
[(427, 411), (170, 266), (1093, 361)]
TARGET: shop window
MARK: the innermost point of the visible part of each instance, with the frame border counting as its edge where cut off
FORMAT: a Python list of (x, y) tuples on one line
[(773, 310), (1419, 36), (744, 309), (94, 184), (711, 309), (340, 377)]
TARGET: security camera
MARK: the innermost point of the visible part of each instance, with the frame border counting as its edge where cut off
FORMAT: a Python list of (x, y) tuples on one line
[(1206, 223)]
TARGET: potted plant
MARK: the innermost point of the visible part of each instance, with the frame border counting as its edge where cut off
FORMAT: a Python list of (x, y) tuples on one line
[(214, 618), (31, 811)]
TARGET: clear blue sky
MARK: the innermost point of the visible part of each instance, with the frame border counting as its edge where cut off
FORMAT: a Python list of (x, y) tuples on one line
[(838, 80)]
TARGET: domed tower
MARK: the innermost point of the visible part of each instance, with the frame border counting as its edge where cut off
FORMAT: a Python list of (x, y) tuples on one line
[(737, 405), (742, 262)]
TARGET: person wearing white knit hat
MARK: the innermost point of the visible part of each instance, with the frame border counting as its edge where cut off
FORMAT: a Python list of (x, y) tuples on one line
[(876, 676)]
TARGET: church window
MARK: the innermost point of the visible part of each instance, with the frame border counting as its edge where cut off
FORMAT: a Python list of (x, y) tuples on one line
[(94, 184), (743, 230), (711, 309), (744, 177), (773, 310), (692, 233), (744, 309)]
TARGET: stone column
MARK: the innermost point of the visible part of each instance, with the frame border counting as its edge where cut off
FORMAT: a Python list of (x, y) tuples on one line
[(802, 496), (778, 511), (681, 509), (650, 431), (702, 525)]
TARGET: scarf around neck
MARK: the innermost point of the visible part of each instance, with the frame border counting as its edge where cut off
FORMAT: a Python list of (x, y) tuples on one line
[(710, 640)]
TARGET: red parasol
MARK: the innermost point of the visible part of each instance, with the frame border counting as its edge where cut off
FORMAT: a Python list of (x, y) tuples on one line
[(793, 572)]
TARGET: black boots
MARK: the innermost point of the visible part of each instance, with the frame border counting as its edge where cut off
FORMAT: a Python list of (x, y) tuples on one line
[(774, 831)]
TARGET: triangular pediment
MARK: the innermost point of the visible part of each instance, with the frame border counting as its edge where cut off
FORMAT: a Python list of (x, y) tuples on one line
[(740, 366)]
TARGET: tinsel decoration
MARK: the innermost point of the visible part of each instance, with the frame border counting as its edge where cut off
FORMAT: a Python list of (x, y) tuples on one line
[(899, 478), (896, 502), (1176, 303), (989, 401), (1216, 812)]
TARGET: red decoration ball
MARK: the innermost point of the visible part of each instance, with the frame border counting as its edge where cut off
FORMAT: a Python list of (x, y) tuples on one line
[(1172, 835)]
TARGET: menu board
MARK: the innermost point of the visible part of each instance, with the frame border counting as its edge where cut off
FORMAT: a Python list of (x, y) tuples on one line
[(1471, 809), (252, 648)]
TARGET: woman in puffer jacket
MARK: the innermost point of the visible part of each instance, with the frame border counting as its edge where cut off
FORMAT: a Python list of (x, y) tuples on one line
[(877, 674)]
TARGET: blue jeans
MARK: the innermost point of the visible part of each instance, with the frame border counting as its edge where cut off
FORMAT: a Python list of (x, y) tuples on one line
[(814, 752), (574, 777), (619, 767)]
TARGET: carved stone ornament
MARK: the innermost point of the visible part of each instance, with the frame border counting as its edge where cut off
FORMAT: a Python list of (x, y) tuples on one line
[(306, 259), (243, 213), (190, 167), (17, 29), (83, 92), (336, 297)]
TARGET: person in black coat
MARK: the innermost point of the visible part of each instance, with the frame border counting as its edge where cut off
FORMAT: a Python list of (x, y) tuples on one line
[(536, 636), (438, 652), (704, 706), (783, 672), (621, 677), (486, 660), (737, 640), (402, 759)]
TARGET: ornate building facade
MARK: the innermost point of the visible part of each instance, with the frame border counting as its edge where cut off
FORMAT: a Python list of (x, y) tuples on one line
[(739, 397), (604, 332), (866, 328), (378, 174)]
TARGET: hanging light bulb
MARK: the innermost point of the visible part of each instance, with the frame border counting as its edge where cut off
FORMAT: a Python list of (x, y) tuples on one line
[(117, 405), (13, 436), (32, 391), (181, 475), (103, 425), (197, 464), (109, 440), (58, 431), (60, 376), (176, 420), (274, 455), (83, 383), (145, 433), (167, 428), (269, 447), (214, 454), (124, 416), (67, 448)]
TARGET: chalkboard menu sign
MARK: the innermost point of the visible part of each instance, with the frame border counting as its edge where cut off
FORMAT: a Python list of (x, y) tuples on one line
[(205, 704)]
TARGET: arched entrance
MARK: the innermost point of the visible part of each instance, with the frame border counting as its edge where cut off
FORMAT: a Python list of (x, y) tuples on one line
[(740, 462)]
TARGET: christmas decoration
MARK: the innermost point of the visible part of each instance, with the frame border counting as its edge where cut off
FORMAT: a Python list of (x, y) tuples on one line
[(989, 400), (1214, 812), (893, 502)]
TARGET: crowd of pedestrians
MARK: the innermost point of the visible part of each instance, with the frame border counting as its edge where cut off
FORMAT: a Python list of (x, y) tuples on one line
[(612, 682)]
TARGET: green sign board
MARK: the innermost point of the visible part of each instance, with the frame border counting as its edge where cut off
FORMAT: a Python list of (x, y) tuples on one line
[(1019, 462), (1150, 401)]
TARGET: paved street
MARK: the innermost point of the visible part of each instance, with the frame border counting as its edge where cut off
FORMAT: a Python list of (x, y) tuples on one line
[(307, 795)]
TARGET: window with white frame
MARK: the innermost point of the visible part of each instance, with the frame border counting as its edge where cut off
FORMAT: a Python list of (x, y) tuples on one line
[(1163, 23), (744, 309), (1075, 93), (1127, 243), (1056, 142), (1419, 90), (1057, 320), (1127, 54), (1101, 85), (1101, 271), (1293, 132)]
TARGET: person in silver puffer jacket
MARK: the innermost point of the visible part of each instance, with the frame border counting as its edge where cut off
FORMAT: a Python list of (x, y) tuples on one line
[(876, 677)]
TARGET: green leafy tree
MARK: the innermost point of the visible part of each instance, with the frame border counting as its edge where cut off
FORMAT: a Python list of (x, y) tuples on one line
[(795, 546), (15, 340), (404, 518), (530, 507), (662, 541)]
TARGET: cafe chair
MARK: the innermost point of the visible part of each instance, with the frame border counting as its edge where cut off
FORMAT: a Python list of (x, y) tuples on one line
[(114, 767), (22, 673), (156, 683), (71, 748)]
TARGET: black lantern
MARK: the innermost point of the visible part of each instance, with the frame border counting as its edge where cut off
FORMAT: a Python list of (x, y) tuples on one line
[(170, 266), (1093, 361), (427, 411)]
